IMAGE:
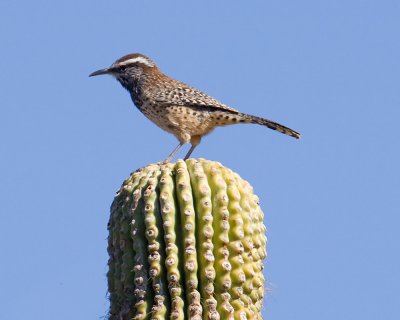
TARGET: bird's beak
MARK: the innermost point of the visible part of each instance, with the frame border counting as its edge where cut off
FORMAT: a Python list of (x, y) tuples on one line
[(100, 72)]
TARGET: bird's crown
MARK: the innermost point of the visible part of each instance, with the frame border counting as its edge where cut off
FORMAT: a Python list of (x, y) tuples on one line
[(133, 59)]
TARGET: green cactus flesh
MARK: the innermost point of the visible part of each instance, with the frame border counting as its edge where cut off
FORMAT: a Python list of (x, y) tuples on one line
[(186, 241)]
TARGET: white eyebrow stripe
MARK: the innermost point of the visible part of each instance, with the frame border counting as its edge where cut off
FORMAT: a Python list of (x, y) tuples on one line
[(137, 59)]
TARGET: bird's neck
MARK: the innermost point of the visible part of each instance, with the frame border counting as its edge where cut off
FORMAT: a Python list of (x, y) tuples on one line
[(139, 79)]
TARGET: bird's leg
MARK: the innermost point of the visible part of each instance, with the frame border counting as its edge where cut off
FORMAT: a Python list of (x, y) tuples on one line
[(190, 152), (173, 153), (195, 141)]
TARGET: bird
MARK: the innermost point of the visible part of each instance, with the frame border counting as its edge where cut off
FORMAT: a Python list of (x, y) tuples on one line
[(186, 112)]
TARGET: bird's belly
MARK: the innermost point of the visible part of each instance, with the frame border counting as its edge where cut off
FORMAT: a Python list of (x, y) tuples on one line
[(178, 120)]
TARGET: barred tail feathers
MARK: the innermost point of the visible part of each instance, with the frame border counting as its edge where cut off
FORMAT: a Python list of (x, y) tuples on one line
[(271, 124)]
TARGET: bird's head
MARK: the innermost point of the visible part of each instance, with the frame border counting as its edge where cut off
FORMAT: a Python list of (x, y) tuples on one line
[(128, 69)]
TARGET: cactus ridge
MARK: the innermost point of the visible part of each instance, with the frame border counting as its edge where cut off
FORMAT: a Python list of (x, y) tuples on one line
[(186, 241)]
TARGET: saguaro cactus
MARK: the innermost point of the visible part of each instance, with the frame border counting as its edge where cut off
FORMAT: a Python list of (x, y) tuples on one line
[(186, 241)]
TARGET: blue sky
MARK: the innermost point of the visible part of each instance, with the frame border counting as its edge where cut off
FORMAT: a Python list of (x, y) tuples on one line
[(329, 69)]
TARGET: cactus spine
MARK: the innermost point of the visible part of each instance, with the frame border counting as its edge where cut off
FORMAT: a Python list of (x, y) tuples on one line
[(186, 241)]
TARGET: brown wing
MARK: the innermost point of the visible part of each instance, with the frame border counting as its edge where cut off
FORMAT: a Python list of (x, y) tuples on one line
[(183, 95)]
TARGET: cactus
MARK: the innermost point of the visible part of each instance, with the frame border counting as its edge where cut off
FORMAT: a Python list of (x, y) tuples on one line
[(186, 241)]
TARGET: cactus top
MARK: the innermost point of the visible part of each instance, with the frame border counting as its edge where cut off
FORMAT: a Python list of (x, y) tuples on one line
[(186, 241)]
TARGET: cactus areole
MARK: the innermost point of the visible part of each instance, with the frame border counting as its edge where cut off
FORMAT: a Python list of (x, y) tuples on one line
[(186, 241)]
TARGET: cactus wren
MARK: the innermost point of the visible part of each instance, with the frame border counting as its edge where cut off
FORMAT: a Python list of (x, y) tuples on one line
[(186, 112)]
